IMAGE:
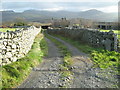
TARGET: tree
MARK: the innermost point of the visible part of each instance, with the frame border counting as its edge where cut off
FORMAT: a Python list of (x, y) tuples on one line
[(20, 22)]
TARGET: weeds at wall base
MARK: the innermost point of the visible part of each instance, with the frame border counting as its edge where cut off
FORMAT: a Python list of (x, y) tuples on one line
[(13, 74)]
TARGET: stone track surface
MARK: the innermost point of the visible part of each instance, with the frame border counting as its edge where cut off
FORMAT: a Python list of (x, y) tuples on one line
[(85, 76), (47, 74)]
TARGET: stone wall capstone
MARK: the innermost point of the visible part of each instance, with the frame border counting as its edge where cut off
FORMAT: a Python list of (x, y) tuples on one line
[(15, 45)]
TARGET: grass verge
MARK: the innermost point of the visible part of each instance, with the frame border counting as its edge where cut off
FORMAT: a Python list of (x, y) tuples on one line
[(63, 49), (101, 58), (67, 61), (44, 47), (13, 74), (83, 47)]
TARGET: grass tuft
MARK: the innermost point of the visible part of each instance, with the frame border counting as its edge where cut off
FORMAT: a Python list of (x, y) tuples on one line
[(67, 61)]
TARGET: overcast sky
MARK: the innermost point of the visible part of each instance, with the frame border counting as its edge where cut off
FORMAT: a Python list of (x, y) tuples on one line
[(56, 5)]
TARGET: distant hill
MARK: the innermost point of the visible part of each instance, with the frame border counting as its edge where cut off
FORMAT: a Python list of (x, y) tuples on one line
[(98, 15), (41, 16)]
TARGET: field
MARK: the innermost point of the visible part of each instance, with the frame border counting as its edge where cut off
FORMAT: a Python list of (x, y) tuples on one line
[(5, 29), (115, 31)]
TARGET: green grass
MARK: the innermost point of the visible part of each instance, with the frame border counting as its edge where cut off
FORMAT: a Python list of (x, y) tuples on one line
[(101, 58), (63, 49), (5, 29), (13, 74), (115, 31), (83, 47), (105, 59), (67, 61), (44, 47)]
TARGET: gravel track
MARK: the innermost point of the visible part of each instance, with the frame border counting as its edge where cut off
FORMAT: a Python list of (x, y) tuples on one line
[(85, 76), (47, 74)]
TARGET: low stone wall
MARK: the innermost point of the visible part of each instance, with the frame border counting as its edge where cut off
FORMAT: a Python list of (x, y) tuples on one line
[(14, 45), (106, 40)]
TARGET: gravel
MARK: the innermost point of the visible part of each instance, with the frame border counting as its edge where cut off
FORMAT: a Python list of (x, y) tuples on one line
[(85, 76), (48, 74)]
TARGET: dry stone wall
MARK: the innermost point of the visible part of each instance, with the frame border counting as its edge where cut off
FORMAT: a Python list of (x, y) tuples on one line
[(14, 45), (106, 40)]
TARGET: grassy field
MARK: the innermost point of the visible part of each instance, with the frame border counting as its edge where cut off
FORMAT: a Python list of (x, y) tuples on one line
[(115, 31), (16, 72), (5, 29)]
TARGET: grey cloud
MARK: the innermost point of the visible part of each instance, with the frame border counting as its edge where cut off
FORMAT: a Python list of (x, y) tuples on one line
[(70, 6)]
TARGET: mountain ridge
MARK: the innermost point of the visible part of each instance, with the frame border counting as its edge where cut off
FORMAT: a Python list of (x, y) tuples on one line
[(41, 15)]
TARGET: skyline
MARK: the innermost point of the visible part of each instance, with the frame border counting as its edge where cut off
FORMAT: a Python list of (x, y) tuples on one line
[(109, 7)]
